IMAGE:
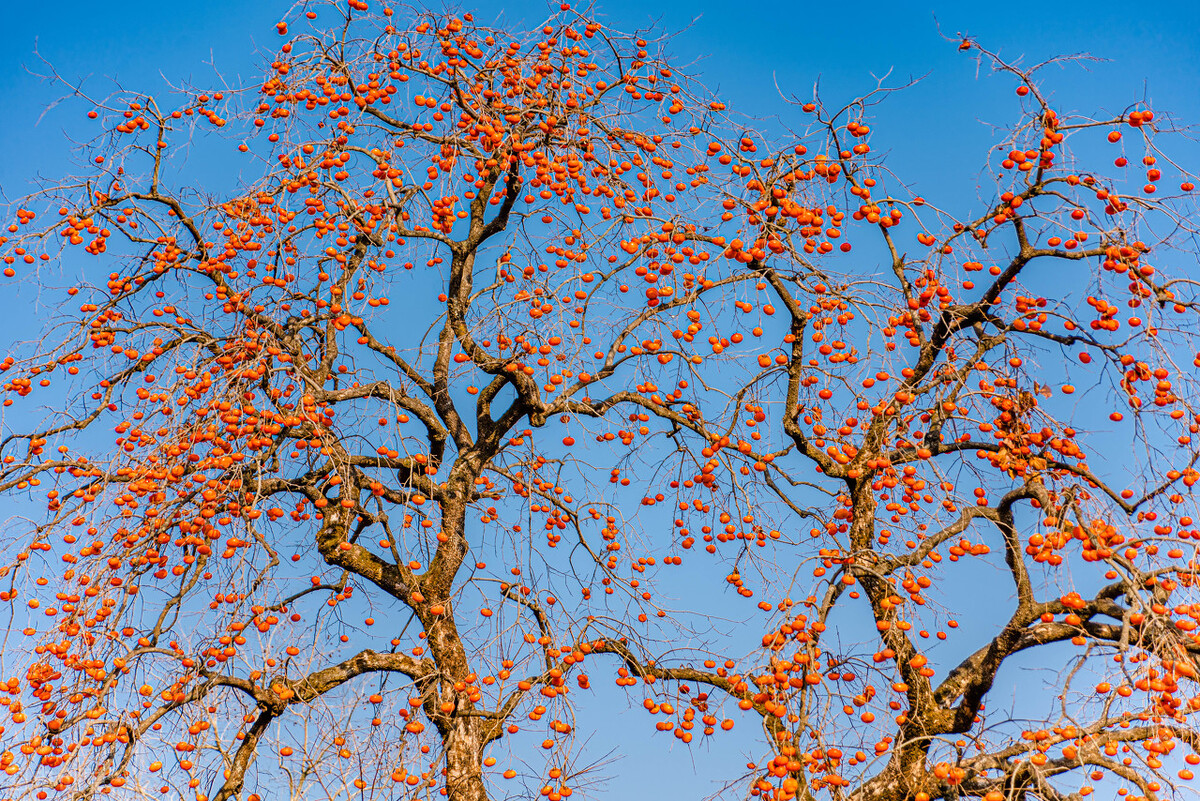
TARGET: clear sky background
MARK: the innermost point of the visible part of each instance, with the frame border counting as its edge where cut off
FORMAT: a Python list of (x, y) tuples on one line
[(748, 52), (935, 133), (744, 50)]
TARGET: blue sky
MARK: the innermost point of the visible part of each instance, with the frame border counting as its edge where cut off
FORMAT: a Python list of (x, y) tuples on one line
[(748, 53), (748, 56), (743, 53)]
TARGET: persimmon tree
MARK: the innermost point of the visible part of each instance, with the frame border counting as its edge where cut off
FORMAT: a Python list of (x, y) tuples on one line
[(520, 364)]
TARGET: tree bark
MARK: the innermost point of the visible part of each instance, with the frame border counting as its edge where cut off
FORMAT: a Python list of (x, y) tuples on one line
[(464, 742)]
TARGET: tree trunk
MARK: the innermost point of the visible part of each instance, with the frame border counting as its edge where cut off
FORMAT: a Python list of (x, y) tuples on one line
[(464, 742)]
